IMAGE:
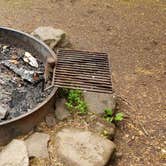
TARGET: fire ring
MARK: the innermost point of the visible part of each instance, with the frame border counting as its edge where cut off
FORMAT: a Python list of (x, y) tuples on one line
[(22, 124)]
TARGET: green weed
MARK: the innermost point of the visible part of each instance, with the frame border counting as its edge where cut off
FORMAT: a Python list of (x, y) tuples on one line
[(110, 117), (75, 102)]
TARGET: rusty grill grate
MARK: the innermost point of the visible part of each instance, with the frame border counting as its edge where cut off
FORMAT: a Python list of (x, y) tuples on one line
[(83, 70)]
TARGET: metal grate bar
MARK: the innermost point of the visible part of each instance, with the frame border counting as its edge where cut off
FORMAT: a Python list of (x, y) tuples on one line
[(83, 70)]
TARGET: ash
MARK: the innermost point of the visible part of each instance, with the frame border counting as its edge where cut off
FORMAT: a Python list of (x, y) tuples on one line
[(17, 95)]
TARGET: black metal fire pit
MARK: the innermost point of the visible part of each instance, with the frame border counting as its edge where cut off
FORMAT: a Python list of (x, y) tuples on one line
[(22, 124)]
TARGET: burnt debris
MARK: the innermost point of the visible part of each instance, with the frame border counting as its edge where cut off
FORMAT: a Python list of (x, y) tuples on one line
[(21, 75)]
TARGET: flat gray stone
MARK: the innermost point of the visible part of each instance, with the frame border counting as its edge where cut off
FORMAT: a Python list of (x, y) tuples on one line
[(82, 148), (61, 112), (37, 145), (14, 154), (49, 35), (98, 102)]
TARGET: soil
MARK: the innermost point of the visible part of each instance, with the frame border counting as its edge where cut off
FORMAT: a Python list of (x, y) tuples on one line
[(133, 33), (19, 96)]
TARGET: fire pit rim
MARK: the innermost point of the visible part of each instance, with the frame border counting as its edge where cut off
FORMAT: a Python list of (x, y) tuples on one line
[(30, 36), (38, 106)]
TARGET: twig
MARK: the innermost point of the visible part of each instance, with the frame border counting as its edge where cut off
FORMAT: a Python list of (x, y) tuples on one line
[(143, 128), (130, 105), (6, 93), (123, 99)]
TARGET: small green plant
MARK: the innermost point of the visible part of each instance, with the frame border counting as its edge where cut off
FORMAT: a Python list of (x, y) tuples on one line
[(75, 102), (110, 117), (118, 117)]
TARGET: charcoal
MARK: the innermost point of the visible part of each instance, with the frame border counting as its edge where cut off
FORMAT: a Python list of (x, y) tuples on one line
[(20, 83), (28, 75)]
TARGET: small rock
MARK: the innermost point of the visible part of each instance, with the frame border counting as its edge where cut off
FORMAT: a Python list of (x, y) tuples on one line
[(163, 151), (61, 112), (100, 126), (98, 102), (50, 120), (82, 148), (5, 49), (37, 145), (14, 154), (118, 154), (3, 112), (49, 35)]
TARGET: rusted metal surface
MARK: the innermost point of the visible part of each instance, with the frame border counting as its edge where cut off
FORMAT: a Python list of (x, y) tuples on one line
[(83, 70), (10, 129)]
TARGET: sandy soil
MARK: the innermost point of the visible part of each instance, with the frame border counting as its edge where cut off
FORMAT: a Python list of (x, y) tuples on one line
[(133, 33)]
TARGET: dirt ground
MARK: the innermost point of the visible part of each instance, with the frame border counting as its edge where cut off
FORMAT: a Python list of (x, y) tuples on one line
[(133, 33)]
